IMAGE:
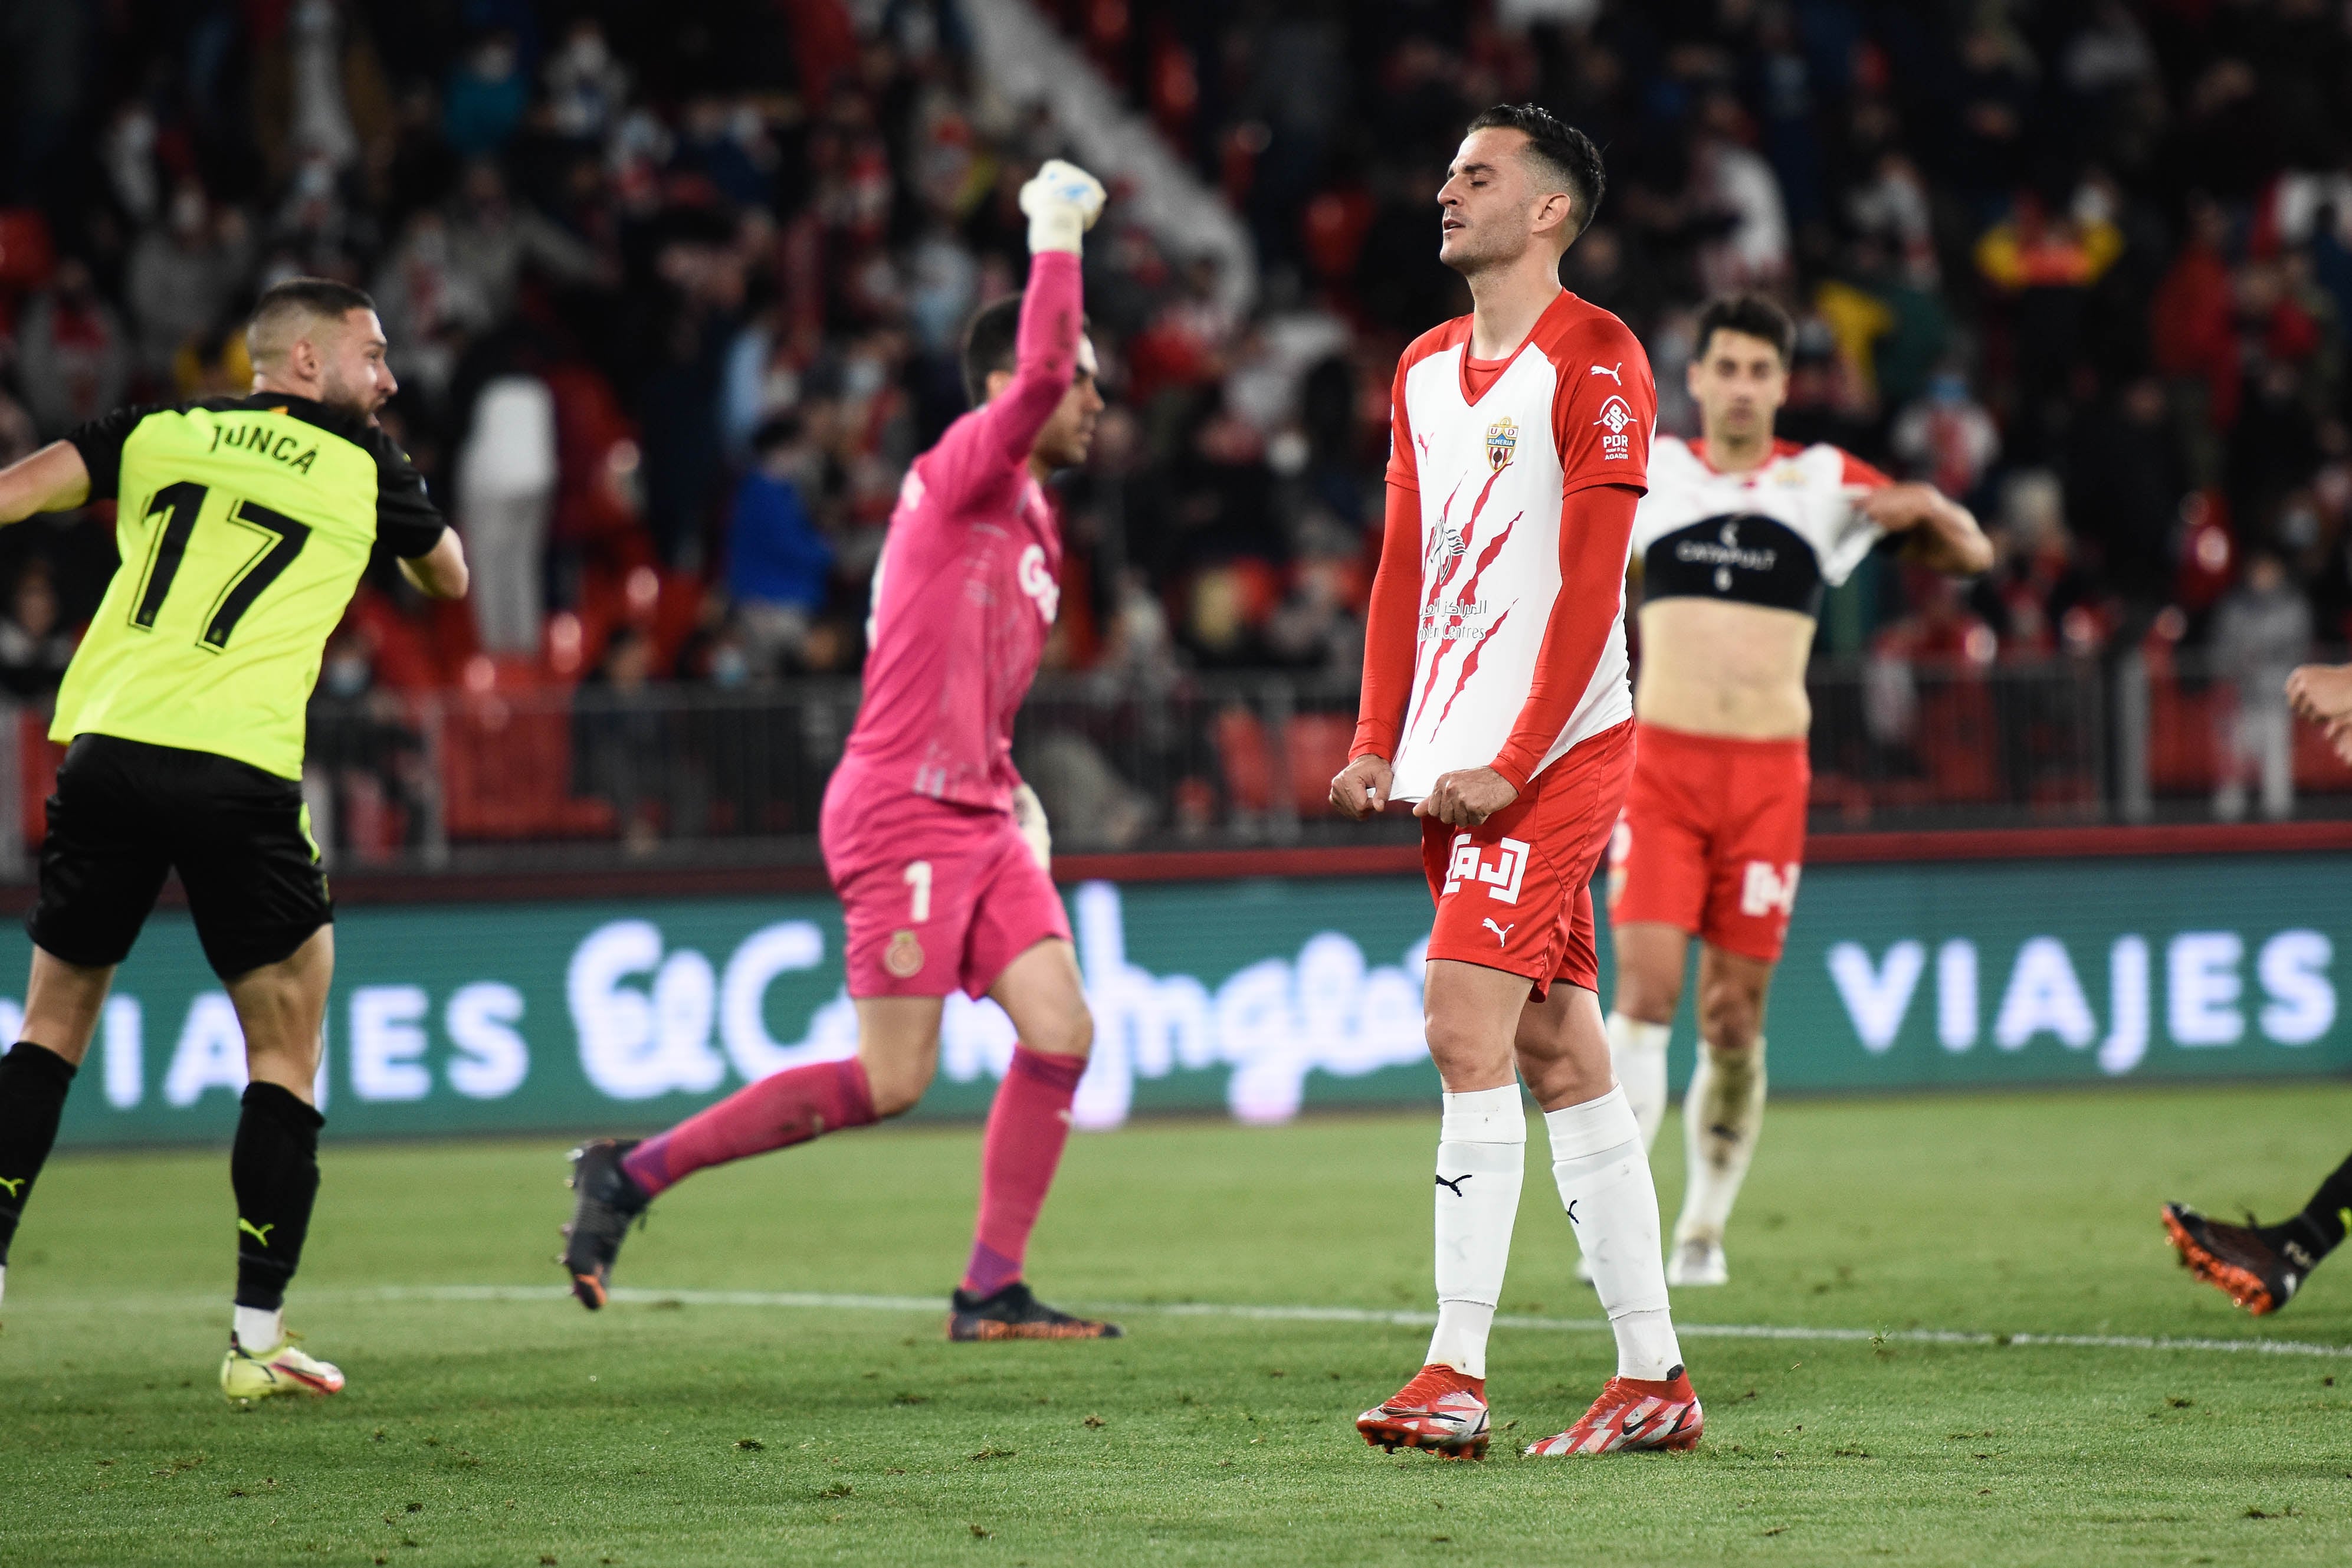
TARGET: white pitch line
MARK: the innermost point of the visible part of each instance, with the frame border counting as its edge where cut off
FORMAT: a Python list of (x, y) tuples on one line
[(836, 1302), (1305, 1314)]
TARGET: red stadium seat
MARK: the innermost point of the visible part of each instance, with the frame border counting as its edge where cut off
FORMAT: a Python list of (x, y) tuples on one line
[(1959, 743), (1246, 760), (2181, 752), (2317, 769), (37, 761), (506, 770), (26, 254)]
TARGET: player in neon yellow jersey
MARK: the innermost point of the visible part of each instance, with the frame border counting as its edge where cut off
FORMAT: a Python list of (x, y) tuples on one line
[(244, 526)]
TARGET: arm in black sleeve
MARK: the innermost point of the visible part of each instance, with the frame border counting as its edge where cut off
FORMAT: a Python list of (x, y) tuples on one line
[(406, 521), (100, 443)]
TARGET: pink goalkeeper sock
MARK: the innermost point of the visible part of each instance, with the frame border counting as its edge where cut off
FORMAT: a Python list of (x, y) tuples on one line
[(783, 1109), (1027, 1127)]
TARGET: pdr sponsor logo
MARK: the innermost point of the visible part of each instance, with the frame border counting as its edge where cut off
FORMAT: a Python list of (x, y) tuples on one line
[(2218, 989), (1616, 422)]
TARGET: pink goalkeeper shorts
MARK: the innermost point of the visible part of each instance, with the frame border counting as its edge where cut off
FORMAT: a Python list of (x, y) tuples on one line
[(936, 897)]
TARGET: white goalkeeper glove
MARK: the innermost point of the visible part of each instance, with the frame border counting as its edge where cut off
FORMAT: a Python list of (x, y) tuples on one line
[(1029, 816), (1063, 201)]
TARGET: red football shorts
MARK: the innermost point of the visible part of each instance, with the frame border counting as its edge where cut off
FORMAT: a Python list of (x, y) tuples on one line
[(1515, 893), (1712, 839), (935, 897)]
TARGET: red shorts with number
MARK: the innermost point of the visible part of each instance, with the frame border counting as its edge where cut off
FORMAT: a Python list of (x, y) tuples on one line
[(935, 897), (1712, 839), (1515, 893)]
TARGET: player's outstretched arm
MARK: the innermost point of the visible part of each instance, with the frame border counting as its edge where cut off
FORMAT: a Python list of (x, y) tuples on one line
[(52, 479), (441, 573), (1063, 201), (1943, 533)]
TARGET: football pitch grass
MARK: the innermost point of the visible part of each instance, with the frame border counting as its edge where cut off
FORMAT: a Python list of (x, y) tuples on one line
[(775, 1387)]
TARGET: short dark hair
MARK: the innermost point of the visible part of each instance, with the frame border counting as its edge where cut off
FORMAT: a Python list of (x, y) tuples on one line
[(989, 342), (1751, 315), (776, 430), (993, 342), (1560, 150), (285, 307)]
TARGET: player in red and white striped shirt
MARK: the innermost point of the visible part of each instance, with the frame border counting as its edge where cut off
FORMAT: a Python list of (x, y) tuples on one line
[(1495, 696)]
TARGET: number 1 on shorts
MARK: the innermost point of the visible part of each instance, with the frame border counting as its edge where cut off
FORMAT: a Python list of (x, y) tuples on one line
[(918, 878)]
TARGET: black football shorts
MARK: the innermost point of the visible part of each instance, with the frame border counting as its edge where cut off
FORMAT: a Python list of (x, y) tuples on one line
[(125, 814)]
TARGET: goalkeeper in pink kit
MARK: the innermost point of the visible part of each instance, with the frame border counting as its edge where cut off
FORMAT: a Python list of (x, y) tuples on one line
[(938, 849)]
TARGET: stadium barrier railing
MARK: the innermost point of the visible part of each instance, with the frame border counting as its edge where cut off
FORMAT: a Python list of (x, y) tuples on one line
[(592, 778)]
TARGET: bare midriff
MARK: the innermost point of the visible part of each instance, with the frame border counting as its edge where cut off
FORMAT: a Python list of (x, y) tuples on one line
[(1715, 668)]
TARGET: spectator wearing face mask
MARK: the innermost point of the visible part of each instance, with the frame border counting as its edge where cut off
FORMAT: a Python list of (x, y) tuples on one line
[(183, 275)]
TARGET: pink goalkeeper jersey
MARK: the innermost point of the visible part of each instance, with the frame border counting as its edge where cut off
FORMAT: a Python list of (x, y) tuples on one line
[(970, 579)]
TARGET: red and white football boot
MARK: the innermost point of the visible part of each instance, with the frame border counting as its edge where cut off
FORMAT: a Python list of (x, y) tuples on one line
[(1441, 1410), (1633, 1412)]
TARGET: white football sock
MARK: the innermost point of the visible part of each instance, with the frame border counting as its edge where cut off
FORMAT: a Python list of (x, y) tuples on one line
[(4, 1281), (1482, 1159), (1721, 1118), (1637, 1055), (259, 1332), (1604, 1182)]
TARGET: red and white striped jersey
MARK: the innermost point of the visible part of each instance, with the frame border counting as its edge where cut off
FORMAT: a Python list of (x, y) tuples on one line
[(1512, 605)]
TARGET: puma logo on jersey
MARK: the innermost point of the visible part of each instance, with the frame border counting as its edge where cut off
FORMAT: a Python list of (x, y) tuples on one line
[(259, 1233), (1611, 372), (1502, 934), (1454, 1184)]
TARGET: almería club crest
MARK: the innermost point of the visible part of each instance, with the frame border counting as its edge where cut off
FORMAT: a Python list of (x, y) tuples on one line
[(1502, 443)]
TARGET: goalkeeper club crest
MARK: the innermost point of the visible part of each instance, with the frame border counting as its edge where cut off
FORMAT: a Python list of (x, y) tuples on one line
[(1502, 443), (904, 956)]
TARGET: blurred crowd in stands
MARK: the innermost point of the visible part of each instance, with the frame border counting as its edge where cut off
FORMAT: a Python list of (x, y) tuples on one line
[(675, 294)]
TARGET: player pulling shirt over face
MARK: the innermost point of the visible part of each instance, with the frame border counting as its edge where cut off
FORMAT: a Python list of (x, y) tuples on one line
[(1737, 540)]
